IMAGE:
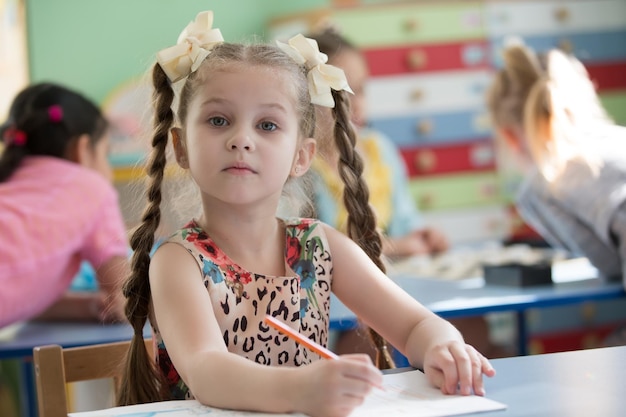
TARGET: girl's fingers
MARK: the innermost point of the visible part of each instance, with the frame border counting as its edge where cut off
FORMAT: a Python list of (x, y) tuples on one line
[(477, 374), (362, 369), (460, 367), (464, 368), (449, 367)]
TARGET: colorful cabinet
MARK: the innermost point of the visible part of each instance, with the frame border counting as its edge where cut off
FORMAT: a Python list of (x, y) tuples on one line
[(430, 65)]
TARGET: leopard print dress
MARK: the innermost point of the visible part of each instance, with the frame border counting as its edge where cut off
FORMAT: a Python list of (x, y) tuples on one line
[(241, 299)]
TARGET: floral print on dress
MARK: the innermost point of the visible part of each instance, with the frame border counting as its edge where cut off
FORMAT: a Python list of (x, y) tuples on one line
[(241, 299)]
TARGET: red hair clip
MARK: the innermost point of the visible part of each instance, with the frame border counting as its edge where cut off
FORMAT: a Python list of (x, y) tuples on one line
[(55, 113), (13, 136)]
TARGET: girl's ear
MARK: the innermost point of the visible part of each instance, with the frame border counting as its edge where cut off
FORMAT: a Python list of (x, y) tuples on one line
[(179, 147), (304, 157), (81, 152)]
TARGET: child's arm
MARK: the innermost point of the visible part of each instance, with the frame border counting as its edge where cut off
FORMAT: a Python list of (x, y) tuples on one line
[(75, 306), (104, 305), (111, 275), (429, 342), (185, 318)]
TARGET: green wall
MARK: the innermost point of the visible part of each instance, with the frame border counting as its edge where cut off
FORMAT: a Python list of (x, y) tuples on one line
[(96, 45)]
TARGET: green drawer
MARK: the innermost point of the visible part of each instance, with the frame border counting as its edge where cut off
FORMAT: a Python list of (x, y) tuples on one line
[(615, 105), (457, 191), (409, 24)]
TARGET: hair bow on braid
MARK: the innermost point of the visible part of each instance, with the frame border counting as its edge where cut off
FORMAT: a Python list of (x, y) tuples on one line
[(194, 44), (321, 76)]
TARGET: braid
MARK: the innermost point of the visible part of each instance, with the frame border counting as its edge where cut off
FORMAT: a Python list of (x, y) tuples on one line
[(361, 218), (142, 382)]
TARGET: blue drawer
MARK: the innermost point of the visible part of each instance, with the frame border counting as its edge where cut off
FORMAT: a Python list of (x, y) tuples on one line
[(588, 47), (432, 128)]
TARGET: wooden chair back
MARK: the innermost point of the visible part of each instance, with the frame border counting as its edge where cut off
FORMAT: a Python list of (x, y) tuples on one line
[(56, 366)]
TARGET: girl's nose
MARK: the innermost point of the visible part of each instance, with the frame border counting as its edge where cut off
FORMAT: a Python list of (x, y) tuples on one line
[(241, 140)]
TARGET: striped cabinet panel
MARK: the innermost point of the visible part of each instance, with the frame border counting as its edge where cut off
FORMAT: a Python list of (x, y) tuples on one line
[(459, 157), (400, 95), (524, 18), (615, 104), (470, 224), (429, 128), (590, 48), (410, 24), (608, 76), (467, 189), (427, 57)]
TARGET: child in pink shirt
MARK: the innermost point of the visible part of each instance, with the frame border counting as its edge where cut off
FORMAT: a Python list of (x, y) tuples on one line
[(57, 208)]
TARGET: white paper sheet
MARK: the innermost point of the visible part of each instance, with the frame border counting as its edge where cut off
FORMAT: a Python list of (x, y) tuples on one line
[(405, 394)]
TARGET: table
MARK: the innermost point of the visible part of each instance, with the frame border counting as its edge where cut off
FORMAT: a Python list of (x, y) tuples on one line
[(570, 384), (472, 297), (29, 335)]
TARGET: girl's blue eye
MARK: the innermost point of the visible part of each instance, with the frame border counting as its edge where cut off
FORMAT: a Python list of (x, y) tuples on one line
[(268, 126), (217, 121)]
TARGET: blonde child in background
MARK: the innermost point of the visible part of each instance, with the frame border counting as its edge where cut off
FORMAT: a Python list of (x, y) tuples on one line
[(244, 131), (58, 207), (546, 111)]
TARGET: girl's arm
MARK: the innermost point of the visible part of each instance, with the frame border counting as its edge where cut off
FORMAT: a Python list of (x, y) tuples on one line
[(75, 306), (429, 342), (106, 304), (185, 318)]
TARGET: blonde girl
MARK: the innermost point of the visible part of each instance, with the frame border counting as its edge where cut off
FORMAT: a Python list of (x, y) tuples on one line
[(546, 111), (243, 130)]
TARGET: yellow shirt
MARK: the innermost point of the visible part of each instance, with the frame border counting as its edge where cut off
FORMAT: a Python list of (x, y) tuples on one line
[(377, 176)]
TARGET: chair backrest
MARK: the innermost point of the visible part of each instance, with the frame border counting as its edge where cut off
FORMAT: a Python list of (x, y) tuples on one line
[(56, 366)]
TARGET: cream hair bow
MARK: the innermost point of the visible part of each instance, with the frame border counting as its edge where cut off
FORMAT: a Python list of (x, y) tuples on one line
[(321, 76), (194, 44)]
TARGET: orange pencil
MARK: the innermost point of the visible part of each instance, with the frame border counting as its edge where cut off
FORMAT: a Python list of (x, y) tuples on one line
[(305, 341)]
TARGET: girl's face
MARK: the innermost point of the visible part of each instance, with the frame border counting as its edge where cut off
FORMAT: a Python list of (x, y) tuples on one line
[(241, 135), (357, 73)]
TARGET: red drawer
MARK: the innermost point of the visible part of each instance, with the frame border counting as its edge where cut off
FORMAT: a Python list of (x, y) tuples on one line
[(458, 157), (608, 76), (427, 57)]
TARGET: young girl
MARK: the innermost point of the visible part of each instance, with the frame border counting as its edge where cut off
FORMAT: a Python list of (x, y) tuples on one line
[(58, 207), (243, 130), (385, 173), (547, 111)]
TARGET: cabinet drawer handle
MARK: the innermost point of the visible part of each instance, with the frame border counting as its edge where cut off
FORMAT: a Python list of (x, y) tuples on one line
[(425, 201), (425, 161), (566, 45), (561, 14), (424, 127), (416, 59), (412, 25), (416, 95)]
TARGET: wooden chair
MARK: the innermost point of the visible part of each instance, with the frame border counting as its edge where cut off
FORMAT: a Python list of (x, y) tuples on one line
[(56, 366)]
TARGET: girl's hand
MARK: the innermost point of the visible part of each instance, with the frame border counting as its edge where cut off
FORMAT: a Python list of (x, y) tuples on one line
[(456, 367), (334, 388), (425, 241)]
